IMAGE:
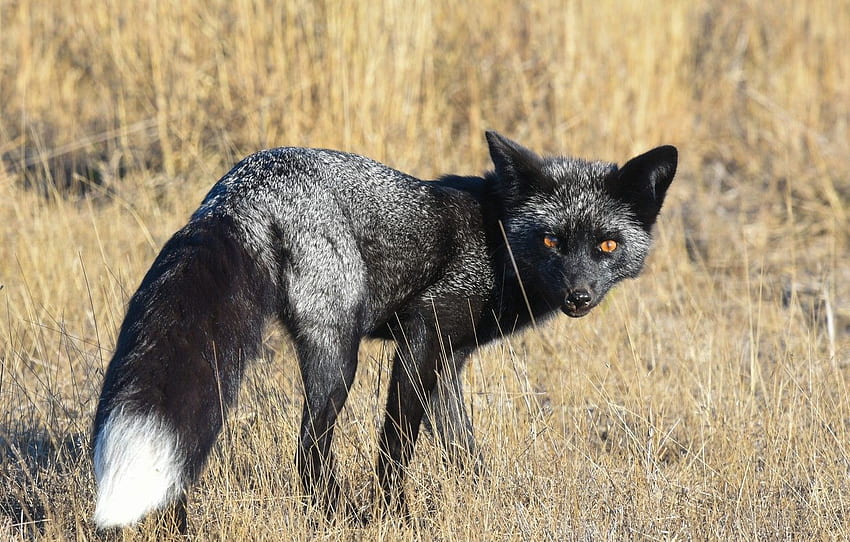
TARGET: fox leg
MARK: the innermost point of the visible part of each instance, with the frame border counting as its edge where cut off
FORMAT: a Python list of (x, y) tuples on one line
[(174, 519), (323, 278), (414, 375), (448, 420), (327, 370)]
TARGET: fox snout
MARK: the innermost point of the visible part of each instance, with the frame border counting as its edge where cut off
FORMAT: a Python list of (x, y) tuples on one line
[(578, 302)]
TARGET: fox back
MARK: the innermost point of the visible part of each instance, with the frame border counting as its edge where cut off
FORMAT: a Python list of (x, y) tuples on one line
[(337, 247)]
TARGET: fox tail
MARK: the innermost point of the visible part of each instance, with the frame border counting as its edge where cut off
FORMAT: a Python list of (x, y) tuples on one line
[(191, 326)]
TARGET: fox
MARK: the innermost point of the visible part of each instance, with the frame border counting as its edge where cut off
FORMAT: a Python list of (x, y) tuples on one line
[(338, 248)]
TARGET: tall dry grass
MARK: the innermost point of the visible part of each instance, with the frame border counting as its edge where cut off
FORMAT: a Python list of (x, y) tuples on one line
[(707, 400)]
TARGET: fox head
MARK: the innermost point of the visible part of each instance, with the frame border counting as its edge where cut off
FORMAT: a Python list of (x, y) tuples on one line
[(576, 228)]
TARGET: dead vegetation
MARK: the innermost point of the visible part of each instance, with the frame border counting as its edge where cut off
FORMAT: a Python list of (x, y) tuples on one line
[(707, 400)]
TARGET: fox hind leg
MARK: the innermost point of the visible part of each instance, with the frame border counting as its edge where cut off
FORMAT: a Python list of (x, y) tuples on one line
[(323, 309), (328, 363)]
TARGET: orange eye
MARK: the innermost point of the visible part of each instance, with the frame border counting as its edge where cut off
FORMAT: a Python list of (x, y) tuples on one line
[(551, 241), (608, 246)]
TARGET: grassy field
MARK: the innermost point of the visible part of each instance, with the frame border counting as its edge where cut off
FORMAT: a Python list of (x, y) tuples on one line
[(706, 400)]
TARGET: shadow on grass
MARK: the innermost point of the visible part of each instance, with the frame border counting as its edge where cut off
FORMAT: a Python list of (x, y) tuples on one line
[(44, 477)]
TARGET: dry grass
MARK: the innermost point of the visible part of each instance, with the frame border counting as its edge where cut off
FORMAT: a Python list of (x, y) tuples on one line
[(707, 400)]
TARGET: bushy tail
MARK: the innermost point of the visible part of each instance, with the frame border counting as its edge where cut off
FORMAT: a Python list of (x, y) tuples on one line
[(195, 320), (138, 468)]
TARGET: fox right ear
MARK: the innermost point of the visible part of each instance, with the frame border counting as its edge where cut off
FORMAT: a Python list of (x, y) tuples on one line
[(516, 166)]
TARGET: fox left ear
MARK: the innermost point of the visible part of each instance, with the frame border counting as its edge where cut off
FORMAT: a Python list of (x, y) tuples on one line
[(643, 181)]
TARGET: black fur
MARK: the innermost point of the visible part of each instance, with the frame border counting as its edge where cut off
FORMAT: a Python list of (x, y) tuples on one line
[(195, 320), (338, 247)]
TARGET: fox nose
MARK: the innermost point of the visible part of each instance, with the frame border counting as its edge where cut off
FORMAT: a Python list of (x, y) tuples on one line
[(579, 299)]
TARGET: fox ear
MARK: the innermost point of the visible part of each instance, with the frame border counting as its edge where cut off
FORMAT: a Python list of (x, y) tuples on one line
[(516, 166), (643, 181)]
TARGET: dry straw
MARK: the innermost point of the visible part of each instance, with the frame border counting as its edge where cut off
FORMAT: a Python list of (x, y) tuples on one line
[(707, 400)]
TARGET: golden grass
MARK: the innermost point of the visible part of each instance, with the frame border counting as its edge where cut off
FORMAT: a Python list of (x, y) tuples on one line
[(707, 400)]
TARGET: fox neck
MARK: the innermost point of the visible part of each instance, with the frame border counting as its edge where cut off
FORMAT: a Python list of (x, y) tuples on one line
[(515, 304)]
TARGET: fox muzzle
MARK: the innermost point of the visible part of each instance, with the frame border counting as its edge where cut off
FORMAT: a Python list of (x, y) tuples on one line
[(578, 303)]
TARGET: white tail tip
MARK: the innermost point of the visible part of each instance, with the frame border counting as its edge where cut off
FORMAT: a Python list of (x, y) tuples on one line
[(137, 468)]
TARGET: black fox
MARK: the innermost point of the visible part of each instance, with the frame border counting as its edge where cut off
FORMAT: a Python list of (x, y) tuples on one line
[(338, 247)]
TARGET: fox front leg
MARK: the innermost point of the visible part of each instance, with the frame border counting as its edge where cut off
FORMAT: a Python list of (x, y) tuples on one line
[(448, 420), (414, 375)]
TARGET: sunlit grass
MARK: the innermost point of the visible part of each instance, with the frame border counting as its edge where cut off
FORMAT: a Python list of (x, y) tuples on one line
[(706, 400)]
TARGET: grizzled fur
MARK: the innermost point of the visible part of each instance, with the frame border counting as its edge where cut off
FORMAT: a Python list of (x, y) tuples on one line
[(338, 247)]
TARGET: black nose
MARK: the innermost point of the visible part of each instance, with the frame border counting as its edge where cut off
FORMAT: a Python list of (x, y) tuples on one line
[(579, 298)]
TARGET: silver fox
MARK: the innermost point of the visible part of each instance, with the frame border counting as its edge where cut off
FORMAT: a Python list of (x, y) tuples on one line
[(338, 247)]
